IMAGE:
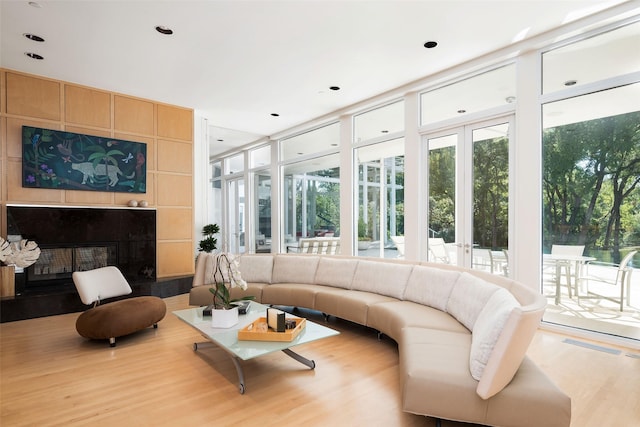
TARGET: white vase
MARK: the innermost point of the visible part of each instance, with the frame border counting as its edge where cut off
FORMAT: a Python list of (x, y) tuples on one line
[(224, 318)]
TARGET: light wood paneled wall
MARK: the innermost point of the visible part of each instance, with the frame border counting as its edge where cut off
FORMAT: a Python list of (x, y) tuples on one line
[(166, 129)]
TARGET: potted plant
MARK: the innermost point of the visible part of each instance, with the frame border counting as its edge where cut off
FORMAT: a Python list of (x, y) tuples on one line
[(20, 254), (208, 244), (224, 276), (364, 240)]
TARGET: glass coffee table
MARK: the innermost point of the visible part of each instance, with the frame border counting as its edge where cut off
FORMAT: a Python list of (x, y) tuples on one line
[(227, 338)]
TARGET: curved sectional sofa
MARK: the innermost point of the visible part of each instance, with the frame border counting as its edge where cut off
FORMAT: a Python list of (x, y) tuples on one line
[(462, 335)]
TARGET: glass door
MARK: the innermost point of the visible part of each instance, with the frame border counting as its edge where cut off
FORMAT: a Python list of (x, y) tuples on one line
[(235, 232), (468, 191)]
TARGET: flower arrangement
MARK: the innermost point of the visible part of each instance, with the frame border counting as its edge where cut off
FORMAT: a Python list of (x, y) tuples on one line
[(21, 254), (225, 275)]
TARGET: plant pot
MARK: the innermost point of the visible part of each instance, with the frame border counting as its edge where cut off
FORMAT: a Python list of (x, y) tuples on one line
[(224, 318), (363, 245), (7, 281)]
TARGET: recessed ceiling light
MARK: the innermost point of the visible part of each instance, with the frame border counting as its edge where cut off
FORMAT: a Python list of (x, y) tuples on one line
[(300, 154), (334, 87), (334, 145), (570, 82), (384, 131), (275, 114), (220, 140), (510, 99), (33, 37), (34, 55), (164, 30), (462, 111), (430, 44), (35, 4)]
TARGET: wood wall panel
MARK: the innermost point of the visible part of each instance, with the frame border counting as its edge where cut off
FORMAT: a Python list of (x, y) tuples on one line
[(16, 193), (175, 156), (175, 258), (177, 190), (87, 107), (14, 133), (173, 123), (33, 97), (133, 115), (46, 103), (175, 224)]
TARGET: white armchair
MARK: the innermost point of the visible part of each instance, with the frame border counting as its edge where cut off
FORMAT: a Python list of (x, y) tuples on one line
[(609, 274)]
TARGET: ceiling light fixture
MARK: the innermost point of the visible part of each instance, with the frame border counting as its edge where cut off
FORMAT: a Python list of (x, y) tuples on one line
[(164, 30), (510, 99), (275, 114), (462, 111), (34, 55), (430, 44), (570, 82), (33, 37), (35, 4), (334, 87)]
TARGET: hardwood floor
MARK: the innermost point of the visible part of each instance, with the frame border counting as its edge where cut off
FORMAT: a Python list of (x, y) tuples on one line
[(52, 376)]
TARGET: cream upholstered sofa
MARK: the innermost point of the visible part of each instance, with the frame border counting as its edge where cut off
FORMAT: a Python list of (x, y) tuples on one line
[(462, 335)]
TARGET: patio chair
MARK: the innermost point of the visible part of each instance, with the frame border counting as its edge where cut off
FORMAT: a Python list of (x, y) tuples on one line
[(399, 242), (438, 250), (483, 259), (610, 274), (557, 266)]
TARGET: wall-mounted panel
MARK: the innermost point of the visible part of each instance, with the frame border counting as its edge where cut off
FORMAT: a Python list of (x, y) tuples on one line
[(175, 156), (87, 107), (176, 190), (175, 123), (175, 258), (133, 115), (33, 97), (175, 224)]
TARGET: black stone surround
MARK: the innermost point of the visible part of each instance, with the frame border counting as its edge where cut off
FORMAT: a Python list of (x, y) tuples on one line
[(82, 238)]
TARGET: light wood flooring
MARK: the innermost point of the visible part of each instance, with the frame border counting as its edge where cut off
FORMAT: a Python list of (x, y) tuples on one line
[(50, 376)]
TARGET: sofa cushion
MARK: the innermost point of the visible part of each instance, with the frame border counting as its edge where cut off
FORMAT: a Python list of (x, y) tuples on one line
[(487, 329), (294, 269), (256, 268), (384, 278), (336, 272), (430, 286), (468, 298)]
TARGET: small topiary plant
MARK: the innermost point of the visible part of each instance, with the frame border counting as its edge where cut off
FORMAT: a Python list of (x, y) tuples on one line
[(208, 244)]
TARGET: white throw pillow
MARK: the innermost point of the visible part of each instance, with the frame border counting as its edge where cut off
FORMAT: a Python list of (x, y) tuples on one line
[(488, 328), (430, 286), (468, 298)]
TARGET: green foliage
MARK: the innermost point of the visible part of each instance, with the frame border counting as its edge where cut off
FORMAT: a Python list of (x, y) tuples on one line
[(208, 244)]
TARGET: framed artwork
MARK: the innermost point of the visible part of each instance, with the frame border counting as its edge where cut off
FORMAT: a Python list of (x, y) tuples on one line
[(72, 161)]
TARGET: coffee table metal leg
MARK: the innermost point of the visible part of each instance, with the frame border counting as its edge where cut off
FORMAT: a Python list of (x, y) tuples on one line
[(310, 363), (236, 362)]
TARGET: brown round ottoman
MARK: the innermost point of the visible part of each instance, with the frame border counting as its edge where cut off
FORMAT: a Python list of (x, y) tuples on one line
[(121, 318)]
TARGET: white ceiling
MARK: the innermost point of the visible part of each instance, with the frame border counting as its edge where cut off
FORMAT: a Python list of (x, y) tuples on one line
[(236, 62)]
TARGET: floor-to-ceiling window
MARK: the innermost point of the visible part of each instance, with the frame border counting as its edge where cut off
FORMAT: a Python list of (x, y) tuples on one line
[(310, 166), (233, 230), (379, 160), (260, 173), (591, 182), (468, 170)]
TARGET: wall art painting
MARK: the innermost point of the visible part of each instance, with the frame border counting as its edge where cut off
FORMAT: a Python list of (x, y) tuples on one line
[(72, 161)]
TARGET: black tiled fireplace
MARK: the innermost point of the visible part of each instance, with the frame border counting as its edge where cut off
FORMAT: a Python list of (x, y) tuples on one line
[(82, 238)]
